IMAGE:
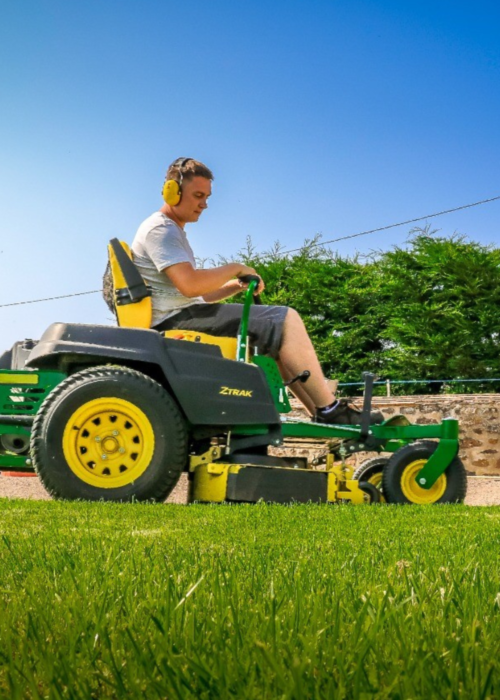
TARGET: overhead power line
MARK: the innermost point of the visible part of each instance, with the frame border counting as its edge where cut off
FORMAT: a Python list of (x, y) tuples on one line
[(401, 223), (294, 250), (63, 296)]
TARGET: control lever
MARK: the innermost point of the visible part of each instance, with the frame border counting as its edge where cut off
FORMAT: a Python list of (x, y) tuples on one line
[(302, 377), (369, 379), (246, 279)]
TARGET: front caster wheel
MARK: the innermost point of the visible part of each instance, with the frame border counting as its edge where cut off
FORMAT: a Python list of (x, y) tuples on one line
[(371, 471), (109, 433), (371, 490), (400, 485)]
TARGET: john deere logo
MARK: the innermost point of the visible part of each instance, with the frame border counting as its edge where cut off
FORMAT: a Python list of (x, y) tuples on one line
[(227, 391)]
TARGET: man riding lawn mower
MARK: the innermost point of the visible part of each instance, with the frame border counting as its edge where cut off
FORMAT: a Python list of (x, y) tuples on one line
[(187, 384)]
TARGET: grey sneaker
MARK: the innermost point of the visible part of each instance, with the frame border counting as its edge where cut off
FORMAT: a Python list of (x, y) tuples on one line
[(345, 414)]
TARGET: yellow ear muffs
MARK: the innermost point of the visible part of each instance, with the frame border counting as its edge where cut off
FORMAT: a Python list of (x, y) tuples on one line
[(171, 192)]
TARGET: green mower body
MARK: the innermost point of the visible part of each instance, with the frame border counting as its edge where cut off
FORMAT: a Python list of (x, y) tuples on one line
[(119, 413)]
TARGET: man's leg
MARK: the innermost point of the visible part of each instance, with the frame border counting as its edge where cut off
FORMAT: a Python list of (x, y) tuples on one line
[(296, 352), (296, 355), (280, 333)]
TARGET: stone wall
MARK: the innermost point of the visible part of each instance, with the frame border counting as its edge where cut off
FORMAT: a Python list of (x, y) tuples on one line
[(478, 416)]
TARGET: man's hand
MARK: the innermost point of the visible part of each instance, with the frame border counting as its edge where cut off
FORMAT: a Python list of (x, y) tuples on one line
[(250, 271)]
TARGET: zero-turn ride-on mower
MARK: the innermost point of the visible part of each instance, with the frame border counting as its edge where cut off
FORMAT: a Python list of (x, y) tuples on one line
[(118, 413)]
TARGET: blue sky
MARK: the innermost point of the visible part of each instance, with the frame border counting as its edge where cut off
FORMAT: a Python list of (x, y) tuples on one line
[(316, 117)]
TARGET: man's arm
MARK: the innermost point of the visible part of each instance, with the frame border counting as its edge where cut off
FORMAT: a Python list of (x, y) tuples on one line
[(200, 283), (225, 292)]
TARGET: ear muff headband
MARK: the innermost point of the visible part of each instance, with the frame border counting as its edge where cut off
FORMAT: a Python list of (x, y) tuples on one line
[(172, 190)]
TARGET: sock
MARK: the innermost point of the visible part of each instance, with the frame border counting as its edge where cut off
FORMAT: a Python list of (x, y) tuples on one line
[(328, 409)]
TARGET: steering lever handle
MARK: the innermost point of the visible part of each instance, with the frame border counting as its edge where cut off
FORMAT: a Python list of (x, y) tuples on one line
[(246, 279)]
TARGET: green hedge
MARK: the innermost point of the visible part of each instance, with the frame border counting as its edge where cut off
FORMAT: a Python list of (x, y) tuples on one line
[(429, 310)]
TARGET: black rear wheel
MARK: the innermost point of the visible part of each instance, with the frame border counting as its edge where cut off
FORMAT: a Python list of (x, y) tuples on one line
[(400, 485), (109, 433)]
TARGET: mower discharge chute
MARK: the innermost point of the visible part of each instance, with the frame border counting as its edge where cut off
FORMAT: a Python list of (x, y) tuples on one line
[(118, 413)]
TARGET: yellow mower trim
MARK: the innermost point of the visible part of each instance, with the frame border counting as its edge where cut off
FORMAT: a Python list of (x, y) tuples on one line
[(108, 443), (415, 493)]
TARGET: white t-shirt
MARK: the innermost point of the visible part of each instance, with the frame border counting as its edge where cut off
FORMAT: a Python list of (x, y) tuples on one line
[(158, 244)]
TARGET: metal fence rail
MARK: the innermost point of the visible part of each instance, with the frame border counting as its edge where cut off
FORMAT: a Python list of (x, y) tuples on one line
[(392, 382)]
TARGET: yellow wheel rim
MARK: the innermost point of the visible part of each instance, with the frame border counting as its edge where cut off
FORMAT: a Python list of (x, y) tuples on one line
[(108, 443), (414, 492), (376, 480)]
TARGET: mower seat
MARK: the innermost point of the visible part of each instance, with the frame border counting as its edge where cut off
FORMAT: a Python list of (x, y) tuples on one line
[(132, 298), (133, 305), (227, 345)]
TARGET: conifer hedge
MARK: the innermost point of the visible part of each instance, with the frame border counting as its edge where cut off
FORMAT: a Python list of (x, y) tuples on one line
[(428, 310)]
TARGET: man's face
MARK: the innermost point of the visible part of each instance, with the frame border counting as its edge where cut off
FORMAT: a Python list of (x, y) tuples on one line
[(194, 200)]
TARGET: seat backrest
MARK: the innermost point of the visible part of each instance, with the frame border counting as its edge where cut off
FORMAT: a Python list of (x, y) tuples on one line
[(132, 298)]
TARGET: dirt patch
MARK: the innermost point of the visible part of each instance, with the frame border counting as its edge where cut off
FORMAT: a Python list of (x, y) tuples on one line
[(31, 487), (481, 491)]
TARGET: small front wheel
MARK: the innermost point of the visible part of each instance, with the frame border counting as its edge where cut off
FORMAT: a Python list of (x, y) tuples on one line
[(371, 490), (399, 477), (371, 471)]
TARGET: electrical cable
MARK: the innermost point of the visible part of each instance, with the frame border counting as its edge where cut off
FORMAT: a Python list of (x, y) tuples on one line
[(385, 228), (421, 381), (294, 250), (63, 296)]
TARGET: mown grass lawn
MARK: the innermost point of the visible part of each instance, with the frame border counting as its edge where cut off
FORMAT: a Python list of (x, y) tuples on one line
[(159, 601)]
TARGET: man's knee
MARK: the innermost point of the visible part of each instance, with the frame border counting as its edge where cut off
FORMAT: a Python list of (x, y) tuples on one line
[(292, 317)]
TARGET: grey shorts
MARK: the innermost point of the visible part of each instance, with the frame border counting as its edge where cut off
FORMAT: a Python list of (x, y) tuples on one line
[(265, 327)]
